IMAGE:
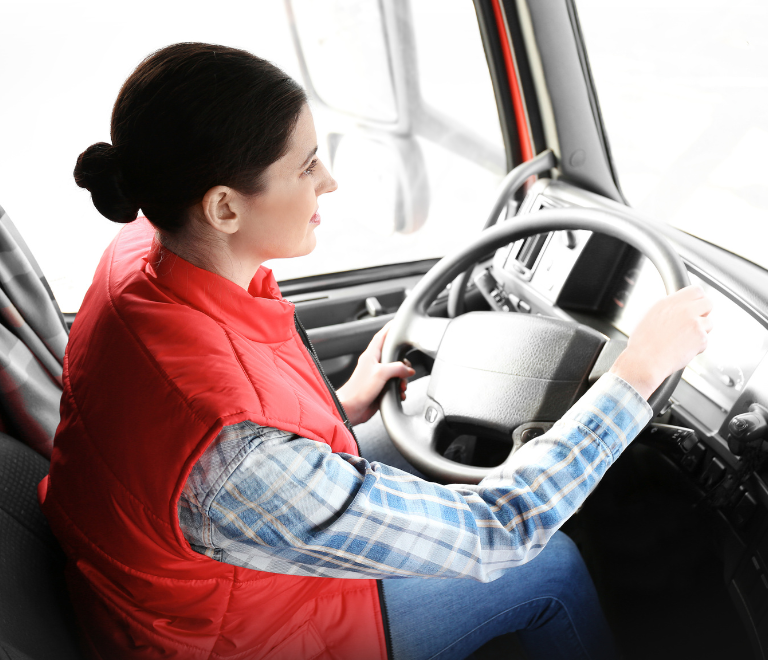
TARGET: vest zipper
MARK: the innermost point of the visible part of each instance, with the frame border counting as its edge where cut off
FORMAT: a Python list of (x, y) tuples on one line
[(385, 619), (311, 349)]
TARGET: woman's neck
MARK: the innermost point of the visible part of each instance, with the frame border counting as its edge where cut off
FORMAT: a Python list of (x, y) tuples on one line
[(211, 253)]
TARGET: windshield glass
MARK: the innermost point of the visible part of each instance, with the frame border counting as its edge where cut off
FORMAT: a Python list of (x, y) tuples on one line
[(683, 88), (401, 94)]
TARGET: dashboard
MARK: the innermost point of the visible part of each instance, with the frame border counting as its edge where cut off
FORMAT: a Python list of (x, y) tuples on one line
[(601, 282), (604, 283)]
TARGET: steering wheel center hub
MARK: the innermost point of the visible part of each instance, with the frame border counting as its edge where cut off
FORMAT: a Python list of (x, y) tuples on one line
[(501, 370)]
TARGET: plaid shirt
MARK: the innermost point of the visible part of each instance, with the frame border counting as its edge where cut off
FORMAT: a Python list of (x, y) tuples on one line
[(269, 500)]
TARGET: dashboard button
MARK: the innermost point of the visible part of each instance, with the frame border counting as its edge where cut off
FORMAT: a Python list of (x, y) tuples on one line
[(691, 460)]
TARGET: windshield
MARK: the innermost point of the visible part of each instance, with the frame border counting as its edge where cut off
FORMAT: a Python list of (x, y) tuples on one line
[(683, 88), (404, 108)]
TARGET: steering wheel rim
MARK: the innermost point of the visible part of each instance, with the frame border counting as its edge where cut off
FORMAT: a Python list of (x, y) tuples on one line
[(413, 435)]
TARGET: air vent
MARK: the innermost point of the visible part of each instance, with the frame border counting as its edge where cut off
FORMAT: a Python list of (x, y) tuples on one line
[(530, 250)]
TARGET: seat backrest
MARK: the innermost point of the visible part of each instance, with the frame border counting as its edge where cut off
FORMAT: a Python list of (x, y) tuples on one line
[(36, 620), (33, 337)]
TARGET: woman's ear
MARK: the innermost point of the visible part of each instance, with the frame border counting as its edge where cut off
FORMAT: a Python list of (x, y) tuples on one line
[(223, 209)]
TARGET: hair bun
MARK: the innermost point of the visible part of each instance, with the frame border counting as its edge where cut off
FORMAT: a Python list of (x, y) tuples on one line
[(98, 171)]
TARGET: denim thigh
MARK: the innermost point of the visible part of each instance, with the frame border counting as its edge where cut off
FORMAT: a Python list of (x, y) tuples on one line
[(550, 602)]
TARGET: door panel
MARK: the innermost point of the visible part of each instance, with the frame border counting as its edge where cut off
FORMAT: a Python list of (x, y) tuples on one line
[(340, 325)]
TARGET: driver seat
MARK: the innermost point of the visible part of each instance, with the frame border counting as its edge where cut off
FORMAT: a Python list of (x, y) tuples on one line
[(36, 621), (36, 618)]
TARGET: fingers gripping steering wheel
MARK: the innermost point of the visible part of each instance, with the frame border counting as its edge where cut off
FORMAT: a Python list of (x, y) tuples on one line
[(493, 370)]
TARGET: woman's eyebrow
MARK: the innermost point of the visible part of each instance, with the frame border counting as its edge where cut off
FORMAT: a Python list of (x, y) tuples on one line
[(311, 154)]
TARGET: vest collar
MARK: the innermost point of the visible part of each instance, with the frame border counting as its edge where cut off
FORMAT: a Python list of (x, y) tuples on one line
[(260, 314)]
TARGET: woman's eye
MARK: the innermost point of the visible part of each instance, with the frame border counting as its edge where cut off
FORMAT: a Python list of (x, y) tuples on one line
[(311, 167)]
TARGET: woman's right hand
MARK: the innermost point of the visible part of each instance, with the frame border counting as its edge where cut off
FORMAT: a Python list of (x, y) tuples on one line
[(670, 335)]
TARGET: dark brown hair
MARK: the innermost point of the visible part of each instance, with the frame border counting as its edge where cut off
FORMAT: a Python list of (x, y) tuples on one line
[(190, 117)]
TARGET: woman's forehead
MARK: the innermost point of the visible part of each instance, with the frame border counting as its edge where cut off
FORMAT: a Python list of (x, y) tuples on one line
[(303, 142)]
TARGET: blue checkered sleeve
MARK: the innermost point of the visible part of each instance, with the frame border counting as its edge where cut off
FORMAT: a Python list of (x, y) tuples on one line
[(265, 499)]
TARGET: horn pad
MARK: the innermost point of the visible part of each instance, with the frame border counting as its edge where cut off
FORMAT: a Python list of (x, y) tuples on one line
[(501, 370)]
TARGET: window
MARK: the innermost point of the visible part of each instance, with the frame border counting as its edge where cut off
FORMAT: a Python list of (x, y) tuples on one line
[(683, 86), (407, 121), (412, 193)]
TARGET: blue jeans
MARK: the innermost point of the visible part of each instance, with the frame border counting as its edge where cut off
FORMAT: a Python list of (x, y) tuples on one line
[(550, 602)]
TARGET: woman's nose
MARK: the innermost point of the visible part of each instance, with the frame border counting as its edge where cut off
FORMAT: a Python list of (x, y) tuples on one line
[(328, 183)]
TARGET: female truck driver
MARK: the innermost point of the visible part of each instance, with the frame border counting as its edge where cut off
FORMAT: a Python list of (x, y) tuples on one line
[(209, 494)]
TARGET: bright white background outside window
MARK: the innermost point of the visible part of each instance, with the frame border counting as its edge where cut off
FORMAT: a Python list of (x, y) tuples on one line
[(683, 86), (62, 65)]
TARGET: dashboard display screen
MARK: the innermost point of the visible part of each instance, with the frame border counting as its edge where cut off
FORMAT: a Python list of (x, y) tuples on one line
[(736, 344)]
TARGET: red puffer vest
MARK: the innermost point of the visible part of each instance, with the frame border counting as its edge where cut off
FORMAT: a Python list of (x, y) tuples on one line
[(163, 354)]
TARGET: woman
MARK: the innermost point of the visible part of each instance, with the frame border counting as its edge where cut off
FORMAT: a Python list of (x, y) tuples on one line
[(205, 482)]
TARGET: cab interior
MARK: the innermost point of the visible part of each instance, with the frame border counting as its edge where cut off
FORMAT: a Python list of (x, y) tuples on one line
[(676, 534)]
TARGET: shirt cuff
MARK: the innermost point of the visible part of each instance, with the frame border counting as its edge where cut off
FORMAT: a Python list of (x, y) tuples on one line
[(613, 411)]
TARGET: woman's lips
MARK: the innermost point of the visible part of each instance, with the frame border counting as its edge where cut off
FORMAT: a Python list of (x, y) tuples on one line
[(315, 219)]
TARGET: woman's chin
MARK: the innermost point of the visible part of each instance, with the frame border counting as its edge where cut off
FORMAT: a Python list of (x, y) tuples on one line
[(307, 246)]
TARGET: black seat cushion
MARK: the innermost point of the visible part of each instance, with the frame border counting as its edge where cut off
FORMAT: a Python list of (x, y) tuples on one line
[(35, 615), (10, 653)]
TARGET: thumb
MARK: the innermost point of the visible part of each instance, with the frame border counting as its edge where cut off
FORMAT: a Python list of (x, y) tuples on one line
[(377, 342), (396, 370)]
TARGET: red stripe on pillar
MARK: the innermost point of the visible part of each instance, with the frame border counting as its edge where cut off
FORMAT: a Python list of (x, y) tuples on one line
[(517, 97)]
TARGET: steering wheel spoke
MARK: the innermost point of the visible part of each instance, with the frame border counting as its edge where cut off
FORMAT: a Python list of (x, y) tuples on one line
[(425, 333)]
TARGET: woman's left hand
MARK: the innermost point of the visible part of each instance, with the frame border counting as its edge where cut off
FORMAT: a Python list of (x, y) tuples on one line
[(360, 395)]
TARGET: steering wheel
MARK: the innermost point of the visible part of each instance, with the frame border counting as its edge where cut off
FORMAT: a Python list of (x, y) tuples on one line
[(496, 371)]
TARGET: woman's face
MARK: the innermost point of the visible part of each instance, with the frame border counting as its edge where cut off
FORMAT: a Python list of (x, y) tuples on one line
[(281, 221)]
